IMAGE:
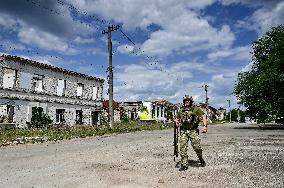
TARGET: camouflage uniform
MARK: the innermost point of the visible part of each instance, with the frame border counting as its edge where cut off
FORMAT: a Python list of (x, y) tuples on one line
[(190, 119)]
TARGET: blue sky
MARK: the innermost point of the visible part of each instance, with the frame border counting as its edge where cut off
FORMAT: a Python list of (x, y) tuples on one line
[(179, 45)]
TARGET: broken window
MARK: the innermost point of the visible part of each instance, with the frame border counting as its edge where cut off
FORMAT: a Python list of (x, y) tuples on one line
[(99, 95), (61, 87), (9, 78), (37, 83), (79, 116), (153, 112), (80, 88), (60, 115), (158, 111), (95, 117), (95, 92), (6, 114), (25, 80)]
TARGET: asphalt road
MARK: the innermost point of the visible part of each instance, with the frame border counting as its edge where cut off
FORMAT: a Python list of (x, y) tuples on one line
[(237, 155)]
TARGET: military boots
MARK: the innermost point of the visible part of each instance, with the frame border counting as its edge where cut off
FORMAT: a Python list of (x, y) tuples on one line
[(202, 162), (183, 168)]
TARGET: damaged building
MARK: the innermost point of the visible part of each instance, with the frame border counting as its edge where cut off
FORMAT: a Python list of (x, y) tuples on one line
[(132, 109), (68, 97), (164, 110)]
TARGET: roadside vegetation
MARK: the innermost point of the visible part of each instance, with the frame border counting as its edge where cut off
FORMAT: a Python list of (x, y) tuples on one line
[(33, 135)]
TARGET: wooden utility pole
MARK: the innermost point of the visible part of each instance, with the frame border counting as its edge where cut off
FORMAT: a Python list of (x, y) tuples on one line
[(230, 109), (110, 69), (206, 99), (206, 102)]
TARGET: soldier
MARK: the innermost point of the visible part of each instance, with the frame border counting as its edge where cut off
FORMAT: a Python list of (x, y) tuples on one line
[(188, 119)]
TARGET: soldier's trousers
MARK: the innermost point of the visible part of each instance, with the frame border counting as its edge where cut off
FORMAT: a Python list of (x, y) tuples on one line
[(185, 135)]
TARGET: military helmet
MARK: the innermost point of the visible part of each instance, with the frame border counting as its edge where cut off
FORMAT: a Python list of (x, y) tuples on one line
[(187, 98)]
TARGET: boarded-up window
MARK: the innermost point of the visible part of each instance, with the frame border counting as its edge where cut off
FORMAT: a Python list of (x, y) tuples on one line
[(9, 78), (61, 86), (95, 92), (38, 83), (25, 80), (80, 88)]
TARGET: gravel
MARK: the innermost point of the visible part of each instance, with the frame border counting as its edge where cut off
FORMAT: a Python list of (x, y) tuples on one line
[(237, 155)]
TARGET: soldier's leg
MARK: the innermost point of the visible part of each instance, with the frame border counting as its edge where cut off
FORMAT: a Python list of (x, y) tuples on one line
[(195, 142), (183, 148)]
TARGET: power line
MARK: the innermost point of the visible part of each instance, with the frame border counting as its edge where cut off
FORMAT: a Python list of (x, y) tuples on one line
[(127, 37)]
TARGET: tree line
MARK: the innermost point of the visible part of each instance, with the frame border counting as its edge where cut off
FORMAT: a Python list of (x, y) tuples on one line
[(261, 89)]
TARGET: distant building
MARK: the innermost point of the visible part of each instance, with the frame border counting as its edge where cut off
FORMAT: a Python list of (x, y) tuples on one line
[(220, 114), (116, 111), (67, 97), (212, 113), (131, 109), (163, 110)]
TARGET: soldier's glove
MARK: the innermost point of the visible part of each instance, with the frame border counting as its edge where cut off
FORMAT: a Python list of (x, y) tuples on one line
[(204, 130)]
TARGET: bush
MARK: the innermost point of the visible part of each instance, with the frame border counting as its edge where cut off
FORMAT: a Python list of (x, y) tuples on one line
[(124, 118), (39, 119)]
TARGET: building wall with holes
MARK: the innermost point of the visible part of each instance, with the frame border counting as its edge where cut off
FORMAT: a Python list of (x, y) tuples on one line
[(26, 85)]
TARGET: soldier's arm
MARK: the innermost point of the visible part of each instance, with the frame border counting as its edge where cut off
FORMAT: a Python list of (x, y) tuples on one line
[(204, 118), (176, 121)]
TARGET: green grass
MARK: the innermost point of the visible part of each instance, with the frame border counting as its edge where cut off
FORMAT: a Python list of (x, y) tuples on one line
[(10, 135)]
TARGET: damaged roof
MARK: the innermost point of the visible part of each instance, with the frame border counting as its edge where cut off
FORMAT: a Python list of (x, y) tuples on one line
[(165, 103), (46, 66)]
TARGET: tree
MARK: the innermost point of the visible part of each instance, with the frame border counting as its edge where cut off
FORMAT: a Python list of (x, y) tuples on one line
[(39, 118), (261, 90)]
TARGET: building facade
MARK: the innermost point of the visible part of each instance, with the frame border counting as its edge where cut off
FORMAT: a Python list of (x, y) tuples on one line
[(68, 97)]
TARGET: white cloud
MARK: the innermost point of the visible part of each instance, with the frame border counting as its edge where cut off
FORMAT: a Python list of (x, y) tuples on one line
[(248, 67), (44, 40), (148, 82), (180, 35), (241, 53), (267, 14), (264, 18), (9, 45), (144, 82), (97, 51), (223, 84), (80, 40), (125, 49), (221, 88), (7, 22), (181, 27)]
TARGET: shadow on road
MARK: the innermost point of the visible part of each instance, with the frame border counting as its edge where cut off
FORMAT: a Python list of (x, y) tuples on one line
[(191, 163), (262, 127)]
